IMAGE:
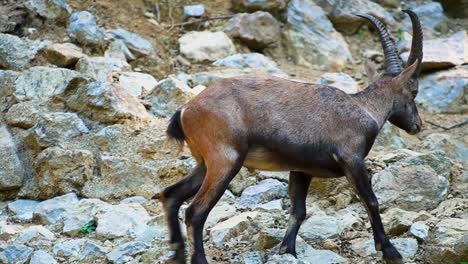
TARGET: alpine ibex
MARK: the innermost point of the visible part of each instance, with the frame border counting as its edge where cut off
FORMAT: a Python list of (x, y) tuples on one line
[(274, 124)]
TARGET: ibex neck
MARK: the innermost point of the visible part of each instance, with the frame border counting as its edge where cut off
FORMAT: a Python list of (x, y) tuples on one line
[(377, 101)]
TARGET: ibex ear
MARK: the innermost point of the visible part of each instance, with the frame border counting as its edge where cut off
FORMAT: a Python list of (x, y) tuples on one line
[(371, 71), (404, 76)]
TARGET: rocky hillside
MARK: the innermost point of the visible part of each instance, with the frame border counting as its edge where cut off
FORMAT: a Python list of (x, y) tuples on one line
[(86, 88)]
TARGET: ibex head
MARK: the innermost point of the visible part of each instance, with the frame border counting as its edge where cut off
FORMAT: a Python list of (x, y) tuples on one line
[(404, 82)]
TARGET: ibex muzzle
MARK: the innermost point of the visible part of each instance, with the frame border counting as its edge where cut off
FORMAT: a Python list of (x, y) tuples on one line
[(270, 123)]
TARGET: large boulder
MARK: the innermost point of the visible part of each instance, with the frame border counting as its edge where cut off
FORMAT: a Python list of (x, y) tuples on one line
[(257, 30), (138, 45), (81, 214), (42, 83), (53, 129), (272, 6), (311, 39), (54, 210), (11, 171), (322, 226), (15, 254), (203, 46), (13, 17), (123, 220), (106, 102), (63, 54), (100, 68), (121, 178), (410, 185), (342, 13), (444, 53), (265, 191), (24, 114), (57, 10), (339, 80), (137, 83), (17, 53), (84, 30), (444, 91), (250, 60), (22, 209), (448, 243), (232, 227), (42, 257), (59, 171)]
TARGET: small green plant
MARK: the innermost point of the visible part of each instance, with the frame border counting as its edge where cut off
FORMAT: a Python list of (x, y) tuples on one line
[(400, 34), (463, 262), (89, 227), (360, 33)]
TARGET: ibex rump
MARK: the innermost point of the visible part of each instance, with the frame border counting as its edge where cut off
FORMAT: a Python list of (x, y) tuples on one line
[(270, 123)]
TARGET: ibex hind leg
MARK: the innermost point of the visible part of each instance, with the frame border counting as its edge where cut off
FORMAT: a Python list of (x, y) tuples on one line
[(298, 186), (221, 168), (173, 197)]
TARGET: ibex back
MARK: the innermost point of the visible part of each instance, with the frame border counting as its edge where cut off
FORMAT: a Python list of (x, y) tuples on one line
[(270, 123)]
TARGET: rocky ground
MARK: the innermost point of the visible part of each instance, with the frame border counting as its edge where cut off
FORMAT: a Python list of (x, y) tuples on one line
[(86, 88)]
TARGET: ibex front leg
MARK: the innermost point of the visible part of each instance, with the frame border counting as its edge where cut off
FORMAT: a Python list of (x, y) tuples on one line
[(357, 175), (298, 186)]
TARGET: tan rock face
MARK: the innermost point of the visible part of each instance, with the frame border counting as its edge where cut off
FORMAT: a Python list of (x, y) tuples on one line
[(257, 30), (24, 114), (107, 103), (63, 54), (11, 169), (59, 171)]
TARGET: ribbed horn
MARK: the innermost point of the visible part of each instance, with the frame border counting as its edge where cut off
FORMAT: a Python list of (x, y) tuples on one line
[(416, 52), (393, 61)]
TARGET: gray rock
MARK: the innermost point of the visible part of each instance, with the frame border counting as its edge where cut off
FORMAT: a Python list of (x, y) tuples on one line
[(207, 78), (53, 210), (321, 226), (59, 171), (42, 83), (53, 129), (310, 38), (448, 243), (134, 199), (443, 91), (443, 53), (202, 46), (92, 252), (17, 53), (42, 257), (15, 254), (257, 30), (137, 84), (168, 96), (308, 254), (420, 231), (441, 141), (84, 30), (339, 80), (138, 45), (265, 191), (123, 220), (24, 114), (23, 209), (106, 102), (81, 214), (397, 221), (69, 249), (63, 54), (50, 9), (100, 68), (124, 252), (117, 49), (431, 16), (284, 259), (8, 231), (220, 212), (455, 207), (7, 82), (342, 13), (272, 6), (407, 247), (253, 257), (250, 60), (414, 187), (194, 10), (11, 172), (121, 178), (233, 227), (33, 233)]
